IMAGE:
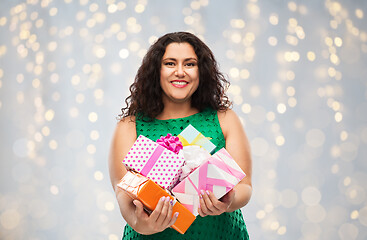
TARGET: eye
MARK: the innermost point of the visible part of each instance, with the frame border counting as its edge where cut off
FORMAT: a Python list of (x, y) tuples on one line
[(169, 63), (191, 64)]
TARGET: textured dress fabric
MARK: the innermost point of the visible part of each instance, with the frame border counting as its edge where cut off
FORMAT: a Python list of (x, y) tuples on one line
[(225, 226)]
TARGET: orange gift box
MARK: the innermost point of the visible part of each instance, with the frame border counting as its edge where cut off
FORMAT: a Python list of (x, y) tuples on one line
[(149, 193)]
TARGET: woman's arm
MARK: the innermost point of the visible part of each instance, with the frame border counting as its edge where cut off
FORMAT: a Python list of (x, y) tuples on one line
[(238, 146), (132, 210)]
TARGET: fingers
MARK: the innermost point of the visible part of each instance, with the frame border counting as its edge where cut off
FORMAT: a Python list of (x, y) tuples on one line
[(158, 209), (162, 214), (210, 205), (173, 220), (166, 212), (139, 210)]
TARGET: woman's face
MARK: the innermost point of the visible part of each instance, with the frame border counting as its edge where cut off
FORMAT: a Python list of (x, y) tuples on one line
[(179, 73)]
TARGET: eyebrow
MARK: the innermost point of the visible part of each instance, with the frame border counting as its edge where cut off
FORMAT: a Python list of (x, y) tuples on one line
[(174, 59)]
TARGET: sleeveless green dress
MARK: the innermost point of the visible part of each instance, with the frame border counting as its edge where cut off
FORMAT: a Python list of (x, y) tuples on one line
[(225, 226)]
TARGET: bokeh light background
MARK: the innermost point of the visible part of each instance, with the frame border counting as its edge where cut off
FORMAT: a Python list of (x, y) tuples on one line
[(298, 72)]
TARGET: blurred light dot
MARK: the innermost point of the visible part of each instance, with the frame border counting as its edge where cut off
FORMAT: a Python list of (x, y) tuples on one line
[(275, 127), (112, 8), (113, 237), (289, 198), (10, 219), (362, 217), (74, 112), (124, 53), (253, 9), (98, 175), (334, 59), (139, 8), (274, 19), (53, 11), (270, 116), (291, 91), (75, 80), (282, 230), (335, 168), (274, 225), (234, 72), (53, 144), (348, 231), (237, 23), (311, 196), (246, 108), (315, 214), (20, 97), (273, 41), (338, 42), (195, 5), (99, 52), (91, 149), (109, 206), (189, 20), (260, 214), (94, 135), (269, 207), (354, 215), (281, 108), (36, 83), (329, 41), (54, 190), (45, 131), (93, 117), (315, 138), (80, 98), (338, 117), (49, 115), (3, 21), (359, 13), (255, 91), (280, 140), (343, 135), (311, 56), (292, 6), (244, 74), (291, 40), (292, 102), (335, 151), (121, 6), (93, 7)]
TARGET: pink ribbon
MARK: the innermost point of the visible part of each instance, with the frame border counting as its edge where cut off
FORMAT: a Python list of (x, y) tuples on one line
[(204, 180), (152, 160)]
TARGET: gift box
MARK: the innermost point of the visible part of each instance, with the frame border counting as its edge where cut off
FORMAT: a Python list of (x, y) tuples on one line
[(219, 174), (149, 193), (155, 162), (191, 136)]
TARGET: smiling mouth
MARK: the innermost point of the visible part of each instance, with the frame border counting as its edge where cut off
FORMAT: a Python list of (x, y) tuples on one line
[(179, 82)]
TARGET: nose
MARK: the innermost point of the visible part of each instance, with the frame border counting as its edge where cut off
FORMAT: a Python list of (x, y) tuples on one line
[(180, 72)]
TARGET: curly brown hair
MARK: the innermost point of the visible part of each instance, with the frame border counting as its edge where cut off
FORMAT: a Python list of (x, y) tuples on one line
[(146, 92)]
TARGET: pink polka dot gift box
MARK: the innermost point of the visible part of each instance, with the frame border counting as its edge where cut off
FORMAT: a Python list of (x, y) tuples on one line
[(155, 161)]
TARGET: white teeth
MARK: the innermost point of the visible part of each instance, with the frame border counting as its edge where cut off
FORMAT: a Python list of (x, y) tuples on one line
[(179, 83)]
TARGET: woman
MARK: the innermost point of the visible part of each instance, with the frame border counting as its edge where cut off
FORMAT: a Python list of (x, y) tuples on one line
[(178, 84)]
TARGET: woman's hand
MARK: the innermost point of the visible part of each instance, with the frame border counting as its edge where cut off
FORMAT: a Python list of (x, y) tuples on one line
[(160, 219), (210, 205)]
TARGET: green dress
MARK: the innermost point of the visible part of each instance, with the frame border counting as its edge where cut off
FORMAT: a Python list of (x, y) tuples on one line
[(225, 226)]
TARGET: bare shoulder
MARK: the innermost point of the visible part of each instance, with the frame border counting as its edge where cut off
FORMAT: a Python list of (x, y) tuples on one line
[(229, 120), (126, 125)]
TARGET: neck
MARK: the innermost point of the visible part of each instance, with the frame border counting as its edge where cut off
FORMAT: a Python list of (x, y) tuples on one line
[(176, 110)]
